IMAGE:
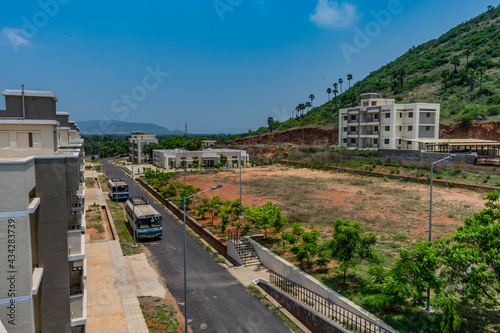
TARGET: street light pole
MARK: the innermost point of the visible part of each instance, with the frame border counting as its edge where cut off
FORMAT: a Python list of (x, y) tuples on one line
[(116, 180), (427, 309), (133, 202), (185, 255), (448, 161)]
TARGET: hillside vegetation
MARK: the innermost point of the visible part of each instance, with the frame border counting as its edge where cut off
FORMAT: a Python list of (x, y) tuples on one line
[(460, 70)]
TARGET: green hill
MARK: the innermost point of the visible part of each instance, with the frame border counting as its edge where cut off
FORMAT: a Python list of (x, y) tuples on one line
[(426, 73)]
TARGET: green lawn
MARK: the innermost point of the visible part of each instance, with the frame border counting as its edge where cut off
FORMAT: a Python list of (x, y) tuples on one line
[(126, 239)]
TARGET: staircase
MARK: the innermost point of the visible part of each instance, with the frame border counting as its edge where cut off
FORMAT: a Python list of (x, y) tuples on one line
[(247, 252), (244, 248)]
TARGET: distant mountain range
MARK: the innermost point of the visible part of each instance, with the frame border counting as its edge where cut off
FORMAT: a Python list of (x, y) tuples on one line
[(89, 127)]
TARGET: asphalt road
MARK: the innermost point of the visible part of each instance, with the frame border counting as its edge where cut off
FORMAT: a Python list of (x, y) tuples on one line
[(217, 302)]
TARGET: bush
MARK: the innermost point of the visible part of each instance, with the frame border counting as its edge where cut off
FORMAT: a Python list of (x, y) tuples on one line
[(470, 113), (493, 110)]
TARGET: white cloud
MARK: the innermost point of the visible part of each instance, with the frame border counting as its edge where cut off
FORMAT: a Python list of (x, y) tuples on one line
[(329, 14), (14, 37)]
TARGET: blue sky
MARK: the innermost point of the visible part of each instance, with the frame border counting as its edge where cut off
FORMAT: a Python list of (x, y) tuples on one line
[(220, 65)]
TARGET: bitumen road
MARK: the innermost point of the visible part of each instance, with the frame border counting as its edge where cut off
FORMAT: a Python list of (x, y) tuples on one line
[(217, 302)]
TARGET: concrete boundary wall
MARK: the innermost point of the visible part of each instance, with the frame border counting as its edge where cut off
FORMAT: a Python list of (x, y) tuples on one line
[(233, 253), (286, 269), (313, 320), (209, 237), (472, 187)]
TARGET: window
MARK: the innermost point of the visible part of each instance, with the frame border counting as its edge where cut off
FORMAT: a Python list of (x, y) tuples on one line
[(400, 141), (353, 140), (428, 114), (388, 115), (401, 115), (353, 129), (30, 139), (375, 128), (410, 115), (400, 128), (386, 141), (427, 128), (387, 128), (345, 129), (345, 117), (353, 117), (375, 141), (375, 116), (345, 140), (410, 128)]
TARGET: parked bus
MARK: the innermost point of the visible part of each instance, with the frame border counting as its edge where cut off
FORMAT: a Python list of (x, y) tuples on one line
[(148, 222), (117, 187)]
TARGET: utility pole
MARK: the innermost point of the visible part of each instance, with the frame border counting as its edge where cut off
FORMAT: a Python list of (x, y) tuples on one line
[(133, 203)]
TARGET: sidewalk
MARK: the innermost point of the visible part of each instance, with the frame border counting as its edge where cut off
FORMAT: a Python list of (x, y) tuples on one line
[(114, 282)]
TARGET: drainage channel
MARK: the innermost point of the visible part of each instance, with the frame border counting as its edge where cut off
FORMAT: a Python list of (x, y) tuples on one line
[(111, 235)]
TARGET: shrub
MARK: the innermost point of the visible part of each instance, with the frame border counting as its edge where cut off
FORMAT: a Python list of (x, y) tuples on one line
[(493, 110)]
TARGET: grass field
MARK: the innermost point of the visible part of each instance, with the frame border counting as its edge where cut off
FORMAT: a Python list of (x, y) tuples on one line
[(126, 239)]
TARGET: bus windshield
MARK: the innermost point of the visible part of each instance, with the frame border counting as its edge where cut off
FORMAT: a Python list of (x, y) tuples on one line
[(121, 188), (150, 222)]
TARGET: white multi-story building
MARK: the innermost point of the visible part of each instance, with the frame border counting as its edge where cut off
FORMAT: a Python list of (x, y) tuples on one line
[(381, 123), (135, 144), (207, 158), (42, 217)]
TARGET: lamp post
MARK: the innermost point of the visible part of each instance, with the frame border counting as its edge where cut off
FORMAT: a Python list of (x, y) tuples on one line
[(448, 161), (185, 257), (116, 180), (133, 202), (430, 222), (241, 199)]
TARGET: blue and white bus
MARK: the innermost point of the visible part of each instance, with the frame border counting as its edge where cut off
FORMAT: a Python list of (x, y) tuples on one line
[(148, 222), (117, 188)]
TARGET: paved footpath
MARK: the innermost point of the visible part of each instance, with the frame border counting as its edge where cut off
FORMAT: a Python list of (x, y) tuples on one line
[(113, 283), (217, 302)]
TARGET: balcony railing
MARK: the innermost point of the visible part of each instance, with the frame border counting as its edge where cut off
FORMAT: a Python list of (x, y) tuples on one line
[(371, 145), (76, 245), (77, 285), (372, 120), (353, 133), (350, 121), (372, 132), (78, 309)]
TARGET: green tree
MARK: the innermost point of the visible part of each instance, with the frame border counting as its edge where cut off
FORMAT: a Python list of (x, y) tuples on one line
[(467, 52), (270, 123), (340, 83), (470, 113), (223, 160), (305, 243), (349, 78), (444, 74), (267, 217), (311, 97), (451, 321), (329, 91), (350, 245), (335, 93), (308, 105)]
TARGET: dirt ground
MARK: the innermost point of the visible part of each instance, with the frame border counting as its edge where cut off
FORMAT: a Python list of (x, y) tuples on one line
[(392, 209)]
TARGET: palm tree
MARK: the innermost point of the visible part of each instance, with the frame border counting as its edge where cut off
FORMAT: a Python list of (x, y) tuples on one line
[(335, 92), (329, 91), (349, 78), (297, 110), (481, 71), (340, 82), (455, 61), (468, 52), (311, 97), (444, 74), (335, 86), (401, 76), (308, 105), (302, 107), (471, 75), (270, 122)]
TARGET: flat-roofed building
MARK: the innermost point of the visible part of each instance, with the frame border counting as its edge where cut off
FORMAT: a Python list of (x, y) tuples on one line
[(42, 217), (207, 158), (135, 144), (381, 123)]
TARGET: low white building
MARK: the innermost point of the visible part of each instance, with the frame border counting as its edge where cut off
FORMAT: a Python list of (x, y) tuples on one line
[(381, 123), (169, 158)]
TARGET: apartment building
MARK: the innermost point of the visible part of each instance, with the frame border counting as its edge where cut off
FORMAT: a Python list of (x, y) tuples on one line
[(135, 144), (42, 216), (381, 123), (207, 158)]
